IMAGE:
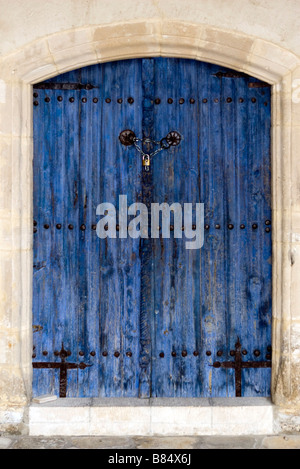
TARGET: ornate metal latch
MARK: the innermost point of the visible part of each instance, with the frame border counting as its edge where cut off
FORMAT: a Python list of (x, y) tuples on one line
[(127, 138)]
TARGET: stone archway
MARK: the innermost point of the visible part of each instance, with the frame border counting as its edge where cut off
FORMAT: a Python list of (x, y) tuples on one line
[(76, 48)]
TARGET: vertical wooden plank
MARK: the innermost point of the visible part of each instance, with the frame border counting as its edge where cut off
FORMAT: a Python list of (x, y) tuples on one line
[(146, 305), (120, 263)]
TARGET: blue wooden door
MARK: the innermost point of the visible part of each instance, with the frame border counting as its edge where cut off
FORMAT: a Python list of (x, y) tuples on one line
[(142, 317)]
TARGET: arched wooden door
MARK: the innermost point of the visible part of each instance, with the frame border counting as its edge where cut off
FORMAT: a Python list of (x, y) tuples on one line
[(147, 317)]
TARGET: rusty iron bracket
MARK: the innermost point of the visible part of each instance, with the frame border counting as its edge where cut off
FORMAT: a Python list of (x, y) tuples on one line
[(258, 84), (238, 365), (63, 366)]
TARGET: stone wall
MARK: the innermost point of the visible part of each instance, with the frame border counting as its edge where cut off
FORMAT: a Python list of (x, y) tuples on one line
[(42, 39)]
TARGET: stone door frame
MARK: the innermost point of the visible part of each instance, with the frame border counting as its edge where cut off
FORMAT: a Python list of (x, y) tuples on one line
[(77, 48)]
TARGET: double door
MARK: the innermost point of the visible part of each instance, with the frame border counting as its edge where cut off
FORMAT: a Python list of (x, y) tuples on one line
[(137, 315)]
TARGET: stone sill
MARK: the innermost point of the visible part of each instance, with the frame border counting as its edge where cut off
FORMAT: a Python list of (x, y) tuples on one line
[(161, 416)]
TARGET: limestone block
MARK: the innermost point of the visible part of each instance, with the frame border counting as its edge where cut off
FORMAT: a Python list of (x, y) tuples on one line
[(126, 29), (12, 391), (5, 289), (180, 40), (273, 61), (10, 346), (6, 176), (119, 420), (275, 54), (34, 63), (241, 420), (224, 48), (68, 39), (295, 84), (127, 47), (181, 420), (81, 55), (295, 169)]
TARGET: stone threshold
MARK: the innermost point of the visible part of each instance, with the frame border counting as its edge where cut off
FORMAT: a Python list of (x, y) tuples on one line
[(152, 417)]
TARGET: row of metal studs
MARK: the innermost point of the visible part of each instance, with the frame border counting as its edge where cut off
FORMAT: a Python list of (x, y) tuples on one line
[(184, 353), (206, 227), (156, 101), (162, 355)]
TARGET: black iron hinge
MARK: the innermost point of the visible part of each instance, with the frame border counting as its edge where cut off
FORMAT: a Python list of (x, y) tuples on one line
[(255, 84), (63, 86)]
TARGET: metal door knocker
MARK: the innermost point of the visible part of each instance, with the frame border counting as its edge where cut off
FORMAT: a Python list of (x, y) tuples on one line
[(127, 138)]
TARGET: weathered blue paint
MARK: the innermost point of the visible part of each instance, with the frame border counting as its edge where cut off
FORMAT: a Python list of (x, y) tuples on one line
[(144, 296)]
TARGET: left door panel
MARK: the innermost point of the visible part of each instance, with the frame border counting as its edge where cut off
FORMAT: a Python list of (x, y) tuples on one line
[(86, 291)]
